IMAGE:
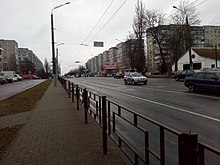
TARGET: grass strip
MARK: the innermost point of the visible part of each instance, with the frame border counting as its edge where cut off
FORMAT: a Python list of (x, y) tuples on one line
[(6, 136), (24, 101), (21, 102)]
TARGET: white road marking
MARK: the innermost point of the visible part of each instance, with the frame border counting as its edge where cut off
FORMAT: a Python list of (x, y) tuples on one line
[(169, 106), (192, 94)]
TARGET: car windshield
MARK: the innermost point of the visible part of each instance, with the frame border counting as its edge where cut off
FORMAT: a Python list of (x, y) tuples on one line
[(136, 74)]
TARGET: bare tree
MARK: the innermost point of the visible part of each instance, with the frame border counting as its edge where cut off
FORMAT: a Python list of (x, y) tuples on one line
[(47, 67), (139, 27), (155, 20), (185, 11)]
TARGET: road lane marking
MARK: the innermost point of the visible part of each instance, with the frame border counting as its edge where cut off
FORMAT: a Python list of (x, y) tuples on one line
[(170, 106)]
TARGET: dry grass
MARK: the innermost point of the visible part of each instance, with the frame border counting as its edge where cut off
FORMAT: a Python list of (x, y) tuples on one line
[(24, 101), (6, 136)]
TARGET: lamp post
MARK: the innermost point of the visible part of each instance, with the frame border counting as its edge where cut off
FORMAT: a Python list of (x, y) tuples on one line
[(56, 64), (52, 36), (189, 38)]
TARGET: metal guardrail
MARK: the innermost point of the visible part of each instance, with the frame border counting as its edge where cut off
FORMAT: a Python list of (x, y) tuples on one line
[(118, 122)]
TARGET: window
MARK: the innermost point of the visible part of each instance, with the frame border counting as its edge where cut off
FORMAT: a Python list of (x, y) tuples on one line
[(199, 75), (209, 76)]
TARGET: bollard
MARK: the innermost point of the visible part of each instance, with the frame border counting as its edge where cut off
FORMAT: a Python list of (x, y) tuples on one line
[(85, 100), (188, 147), (104, 125)]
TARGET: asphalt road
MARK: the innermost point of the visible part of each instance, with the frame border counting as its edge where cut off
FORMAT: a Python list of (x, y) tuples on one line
[(11, 89), (166, 101)]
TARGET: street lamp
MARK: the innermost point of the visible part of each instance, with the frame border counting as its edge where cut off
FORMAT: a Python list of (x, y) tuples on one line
[(56, 64), (52, 36), (189, 38)]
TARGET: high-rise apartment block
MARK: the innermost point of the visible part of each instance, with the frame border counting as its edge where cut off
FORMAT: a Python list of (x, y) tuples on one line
[(20, 60), (9, 55), (117, 59), (201, 36)]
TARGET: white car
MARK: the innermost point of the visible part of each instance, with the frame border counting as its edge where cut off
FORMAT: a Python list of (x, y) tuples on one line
[(135, 78), (18, 77), (15, 79)]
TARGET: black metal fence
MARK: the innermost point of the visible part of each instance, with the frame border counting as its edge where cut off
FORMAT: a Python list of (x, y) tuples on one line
[(143, 140)]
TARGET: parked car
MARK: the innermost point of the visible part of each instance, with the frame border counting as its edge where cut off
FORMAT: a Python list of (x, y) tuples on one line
[(2, 80), (183, 74), (30, 76), (209, 81), (19, 77), (135, 78), (9, 79), (118, 75), (15, 79)]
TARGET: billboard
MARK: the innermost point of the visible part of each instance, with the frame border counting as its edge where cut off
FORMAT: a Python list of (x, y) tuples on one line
[(111, 65)]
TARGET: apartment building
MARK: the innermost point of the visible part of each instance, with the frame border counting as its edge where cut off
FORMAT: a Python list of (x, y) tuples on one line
[(117, 59), (212, 36), (28, 61), (119, 56), (201, 36), (13, 58), (9, 55)]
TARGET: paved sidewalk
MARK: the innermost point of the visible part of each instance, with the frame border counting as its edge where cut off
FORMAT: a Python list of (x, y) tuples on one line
[(55, 134), (15, 119)]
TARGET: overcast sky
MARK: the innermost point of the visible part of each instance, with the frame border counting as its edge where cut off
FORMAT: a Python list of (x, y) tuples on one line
[(28, 22)]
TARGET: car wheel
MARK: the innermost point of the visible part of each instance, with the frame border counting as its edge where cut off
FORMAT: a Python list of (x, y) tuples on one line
[(191, 88), (125, 82), (145, 82), (133, 82)]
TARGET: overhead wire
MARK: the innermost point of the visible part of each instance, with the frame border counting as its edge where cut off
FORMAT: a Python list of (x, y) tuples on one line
[(80, 51), (192, 4), (108, 20), (98, 21)]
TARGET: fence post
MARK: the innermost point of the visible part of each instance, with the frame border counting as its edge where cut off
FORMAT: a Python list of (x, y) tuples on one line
[(104, 125), (72, 92), (85, 100), (100, 115), (77, 97), (109, 119), (69, 91), (188, 147)]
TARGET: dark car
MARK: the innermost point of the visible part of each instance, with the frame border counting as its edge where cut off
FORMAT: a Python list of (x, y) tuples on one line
[(209, 81), (2, 80), (9, 79), (118, 75), (182, 75)]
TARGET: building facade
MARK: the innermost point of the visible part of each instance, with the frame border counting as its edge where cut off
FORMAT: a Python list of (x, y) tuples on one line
[(201, 36), (29, 63), (20, 60), (117, 59), (202, 58), (9, 55)]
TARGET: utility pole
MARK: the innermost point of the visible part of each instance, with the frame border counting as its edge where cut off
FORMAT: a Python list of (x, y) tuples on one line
[(189, 39), (216, 56), (189, 44), (53, 49), (52, 38)]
